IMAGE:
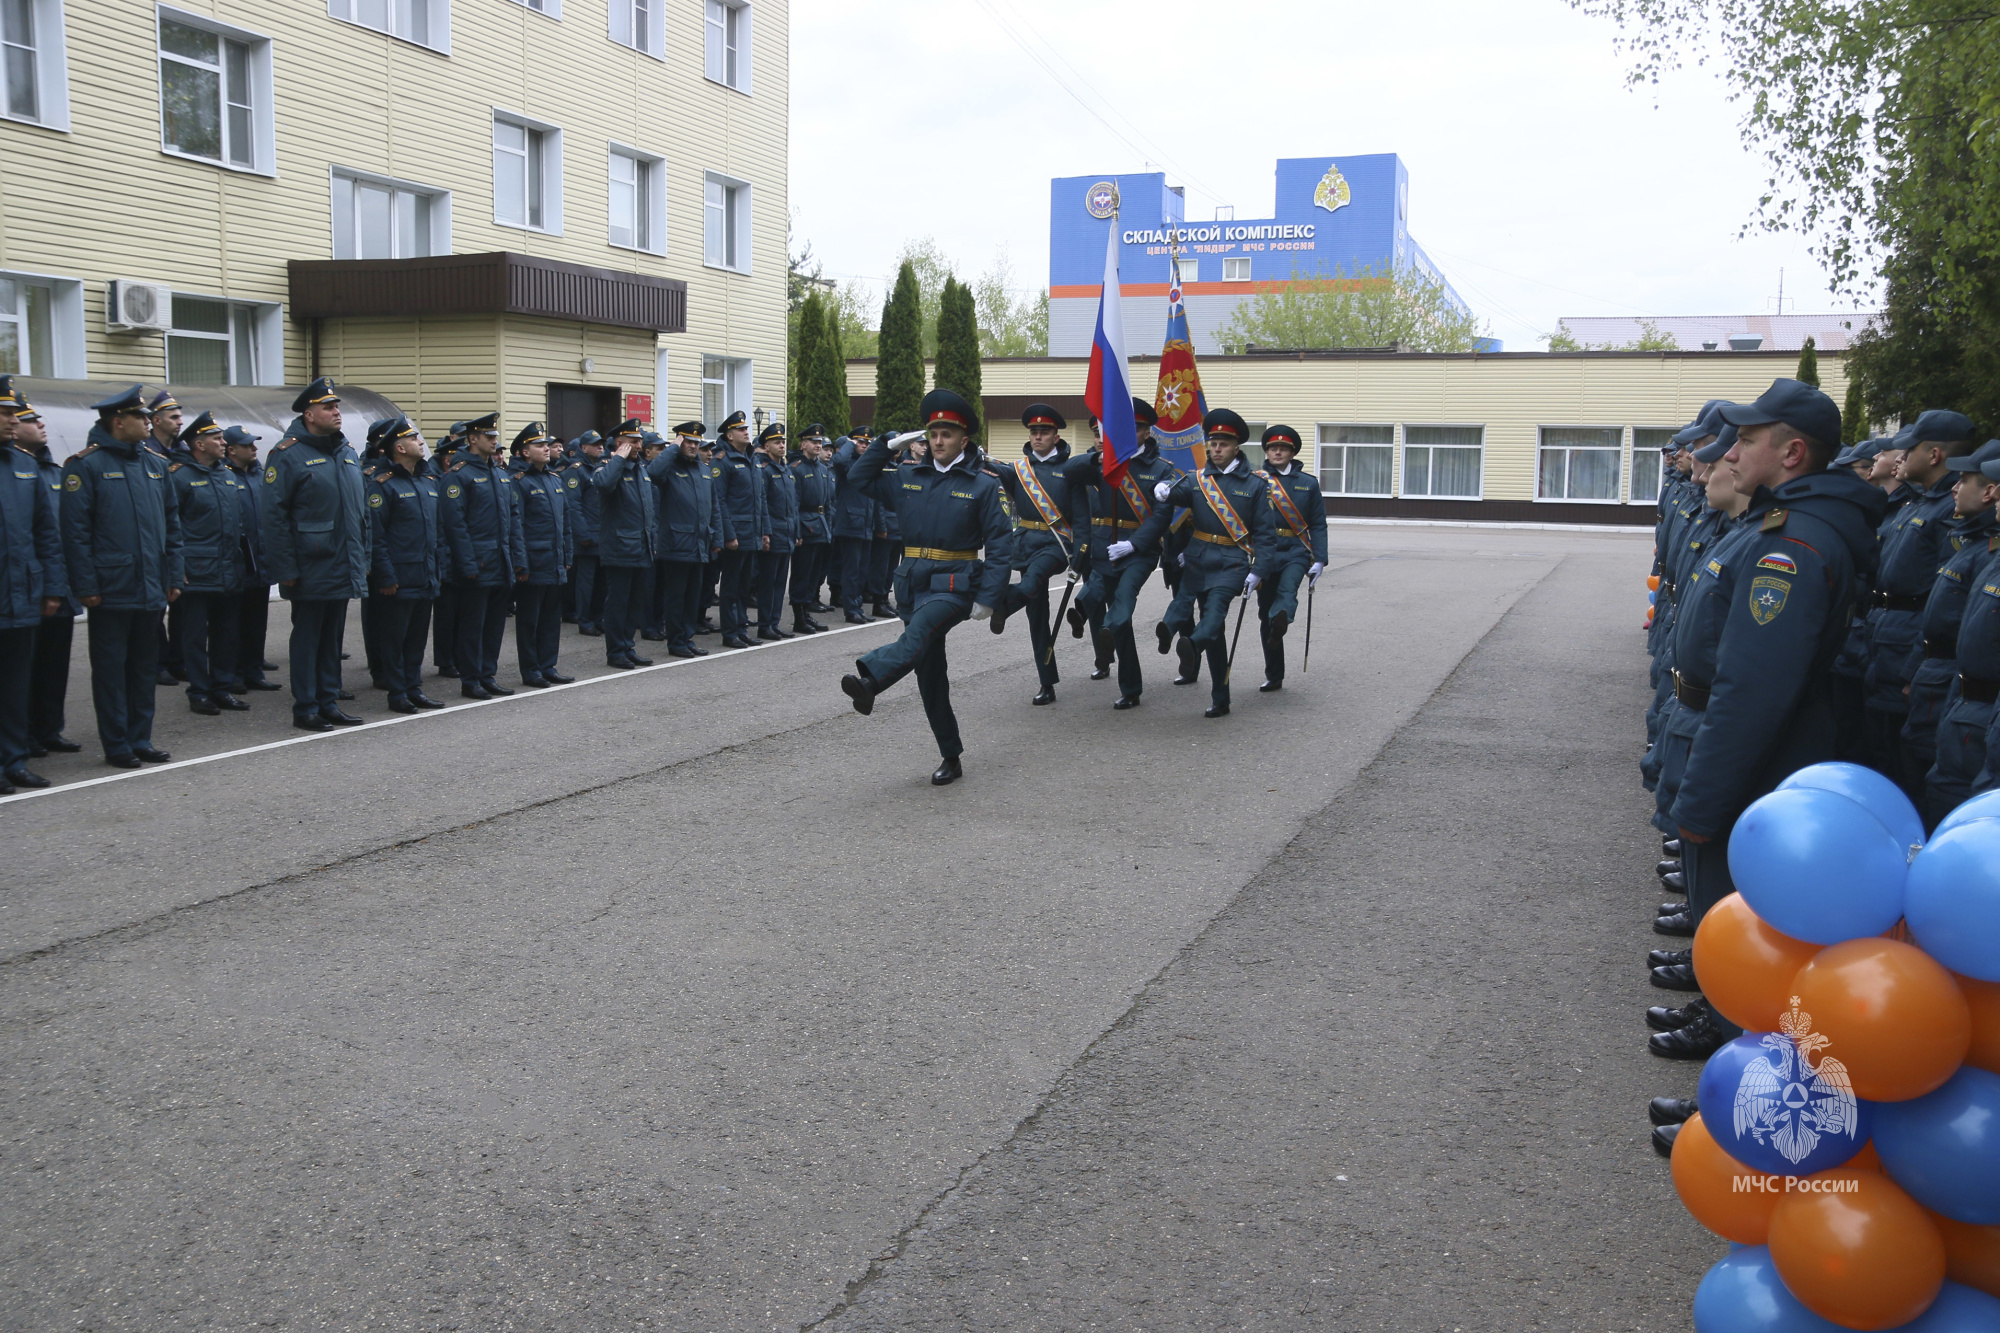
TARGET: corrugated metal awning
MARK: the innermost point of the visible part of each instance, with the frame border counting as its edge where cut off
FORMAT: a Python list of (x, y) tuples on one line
[(499, 283)]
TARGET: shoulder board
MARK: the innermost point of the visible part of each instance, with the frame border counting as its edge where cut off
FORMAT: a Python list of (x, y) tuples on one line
[(461, 463), (173, 467), (385, 474), (1774, 520), (283, 444), (86, 450)]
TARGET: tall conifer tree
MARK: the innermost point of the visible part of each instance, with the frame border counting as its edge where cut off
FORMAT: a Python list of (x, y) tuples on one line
[(899, 366), (958, 347)]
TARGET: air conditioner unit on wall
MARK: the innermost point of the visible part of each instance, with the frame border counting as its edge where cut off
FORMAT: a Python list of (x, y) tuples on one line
[(135, 307)]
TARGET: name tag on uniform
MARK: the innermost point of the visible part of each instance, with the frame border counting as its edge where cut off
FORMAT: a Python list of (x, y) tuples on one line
[(197, 483), (406, 495), (480, 480), (27, 476), (911, 486), (114, 476), (314, 462)]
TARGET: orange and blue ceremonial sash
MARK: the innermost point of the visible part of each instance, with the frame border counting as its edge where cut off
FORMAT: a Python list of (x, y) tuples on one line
[(1024, 471), (1288, 509), (1225, 512), (1135, 496)]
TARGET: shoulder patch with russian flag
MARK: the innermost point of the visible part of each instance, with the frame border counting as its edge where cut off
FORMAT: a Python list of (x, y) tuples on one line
[(1780, 562)]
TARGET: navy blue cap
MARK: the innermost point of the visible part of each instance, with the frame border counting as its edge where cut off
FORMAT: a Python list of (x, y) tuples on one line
[(319, 391), (587, 438), (1976, 460), (1703, 426), (529, 434), (238, 435), (163, 400), (489, 422), (651, 438), (731, 422), (9, 400), (205, 424), (1990, 469), (694, 428), (1935, 427), (816, 431), (132, 400), (1797, 404), (1725, 440), (940, 405), (1222, 421), (774, 431)]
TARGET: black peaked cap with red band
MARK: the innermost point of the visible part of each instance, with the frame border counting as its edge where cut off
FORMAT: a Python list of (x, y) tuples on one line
[(1222, 421), (946, 406), (1041, 414)]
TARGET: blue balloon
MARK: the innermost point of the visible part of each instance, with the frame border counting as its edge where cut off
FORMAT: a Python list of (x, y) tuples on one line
[(1743, 1294), (1771, 1111), (1957, 1310), (1944, 1147), (1818, 866), (1871, 791), (1986, 805), (1952, 898)]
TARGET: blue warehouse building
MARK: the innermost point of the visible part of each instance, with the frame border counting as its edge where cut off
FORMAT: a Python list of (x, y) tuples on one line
[(1332, 214)]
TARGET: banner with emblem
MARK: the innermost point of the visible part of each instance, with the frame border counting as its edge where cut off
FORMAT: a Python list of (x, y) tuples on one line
[(1179, 399)]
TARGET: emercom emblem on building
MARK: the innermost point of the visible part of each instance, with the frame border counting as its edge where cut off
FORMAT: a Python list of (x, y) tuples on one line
[(1332, 193)]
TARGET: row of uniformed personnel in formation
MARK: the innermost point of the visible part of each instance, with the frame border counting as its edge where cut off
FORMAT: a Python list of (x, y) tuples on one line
[(170, 533), (1814, 604)]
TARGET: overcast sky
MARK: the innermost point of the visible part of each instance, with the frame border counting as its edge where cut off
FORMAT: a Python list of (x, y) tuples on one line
[(1538, 182)]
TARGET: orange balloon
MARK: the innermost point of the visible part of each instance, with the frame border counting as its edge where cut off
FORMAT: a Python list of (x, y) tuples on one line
[(1727, 1197), (1652, 583), (1854, 1248), (1983, 998), (1747, 968), (1865, 1160), (1971, 1253), (1889, 1013)]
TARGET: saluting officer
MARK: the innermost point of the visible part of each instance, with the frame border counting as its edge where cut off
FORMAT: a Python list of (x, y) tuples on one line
[(444, 611), (548, 538), (1234, 535), (586, 590), (854, 525), (316, 538), (48, 687), (31, 574), (781, 508), (950, 508), (482, 526), (409, 560), (371, 638), (627, 541), (1049, 509), (1973, 535), (747, 528), (121, 534), (688, 536), (813, 476), (212, 552), (253, 603), (1299, 554)]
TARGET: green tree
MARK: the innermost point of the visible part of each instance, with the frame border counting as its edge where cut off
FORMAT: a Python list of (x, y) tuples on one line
[(1853, 417), (1007, 326), (822, 395), (808, 333), (1370, 308), (958, 346), (899, 365), (1652, 338), (840, 417), (927, 262), (1808, 371)]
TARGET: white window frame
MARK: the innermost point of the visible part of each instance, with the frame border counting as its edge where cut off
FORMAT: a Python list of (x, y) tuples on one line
[(65, 350), (640, 25), (49, 60), (438, 240), (396, 20), (730, 378), (550, 165), (254, 326), (651, 235), (1323, 444), (1659, 466), (717, 18), (263, 114), (1190, 270), (717, 218), (1236, 268), (1430, 472), (1543, 449), (546, 8)]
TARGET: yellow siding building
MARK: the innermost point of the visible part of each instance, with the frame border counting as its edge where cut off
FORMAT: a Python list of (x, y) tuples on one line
[(178, 165)]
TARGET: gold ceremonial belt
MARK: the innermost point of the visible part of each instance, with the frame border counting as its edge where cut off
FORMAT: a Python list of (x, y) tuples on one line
[(933, 553), (1037, 527), (1108, 523), (1287, 532), (1218, 538)]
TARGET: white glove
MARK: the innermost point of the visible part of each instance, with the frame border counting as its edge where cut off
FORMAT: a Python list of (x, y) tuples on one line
[(1313, 571), (1181, 559), (1250, 582), (903, 440), (1162, 490), (1118, 550), (980, 612)]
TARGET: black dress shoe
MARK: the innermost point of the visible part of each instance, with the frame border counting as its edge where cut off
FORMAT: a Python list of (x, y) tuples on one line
[(122, 761), (345, 656), (472, 689), (851, 619), (1697, 1041), (494, 687), (637, 660), (1216, 710), (1275, 627), (1671, 909), (1680, 976), (1670, 1110), (1675, 880), (1046, 696), (819, 608), (261, 684), (1164, 637), (399, 704), (164, 678), (37, 750), (60, 744), (344, 694), (1663, 1139), (1668, 957), (534, 682), (769, 634), (653, 635), (812, 626), (1185, 680), (1126, 701), (267, 666), (150, 754), (591, 631), (20, 775), (1100, 673), (862, 691), (681, 652), (1680, 923), (1190, 658), (7, 788), (622, 662), (339, 718), (704, 626), (229, 703), (1662, 1019), (205, 707), (697, 650), (1670, 846), (447, 671), (1078, 622), (882, 611), (736, 641), (1271, 687), (1667, 867), (558, 678), (948, 772), (237, 687), (422, 700)]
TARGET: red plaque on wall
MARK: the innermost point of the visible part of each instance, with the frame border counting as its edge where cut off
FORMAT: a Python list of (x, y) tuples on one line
[(639, 407)]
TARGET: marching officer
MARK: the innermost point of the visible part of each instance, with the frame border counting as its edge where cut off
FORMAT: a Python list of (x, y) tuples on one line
[(949, 508), (1119, 563), (409, 559), (316, 539), (253, 603), (586, 589), (688, 536), (1048, 510), (781, 506), (746, 528), (1936, 734), (853, 528), (1299, 554), (444, 611), (1234, 535), (48, 685), (627, 542), (548, 538), (31, 570), (813, 477), (481, 513), (121, 537), (212, 553)]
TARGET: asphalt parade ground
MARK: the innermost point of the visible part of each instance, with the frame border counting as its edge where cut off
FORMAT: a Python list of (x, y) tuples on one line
[(681, 1000)]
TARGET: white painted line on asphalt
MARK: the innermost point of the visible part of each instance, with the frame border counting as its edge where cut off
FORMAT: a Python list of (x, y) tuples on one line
[(1481, 523), (524, 694)]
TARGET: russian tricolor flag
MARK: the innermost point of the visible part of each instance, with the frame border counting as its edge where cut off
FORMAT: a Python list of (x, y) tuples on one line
[(1108, 391)]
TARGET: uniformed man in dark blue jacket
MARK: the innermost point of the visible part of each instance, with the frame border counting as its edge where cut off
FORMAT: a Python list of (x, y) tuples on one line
[(627, 543), (586, 594), (121, 537), (950, 508), (1049, 520), (48, 685), (1234, 535), (781, 509), (688, 537), (854, 524), (409, 558), (813, 477), (32, 589), (482, 527), (1946, 749), (444, 611), (212, 553), (741, 499), (1299, 554), (1850, 669), (253, 603), (1912, 548), (550, 543)]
